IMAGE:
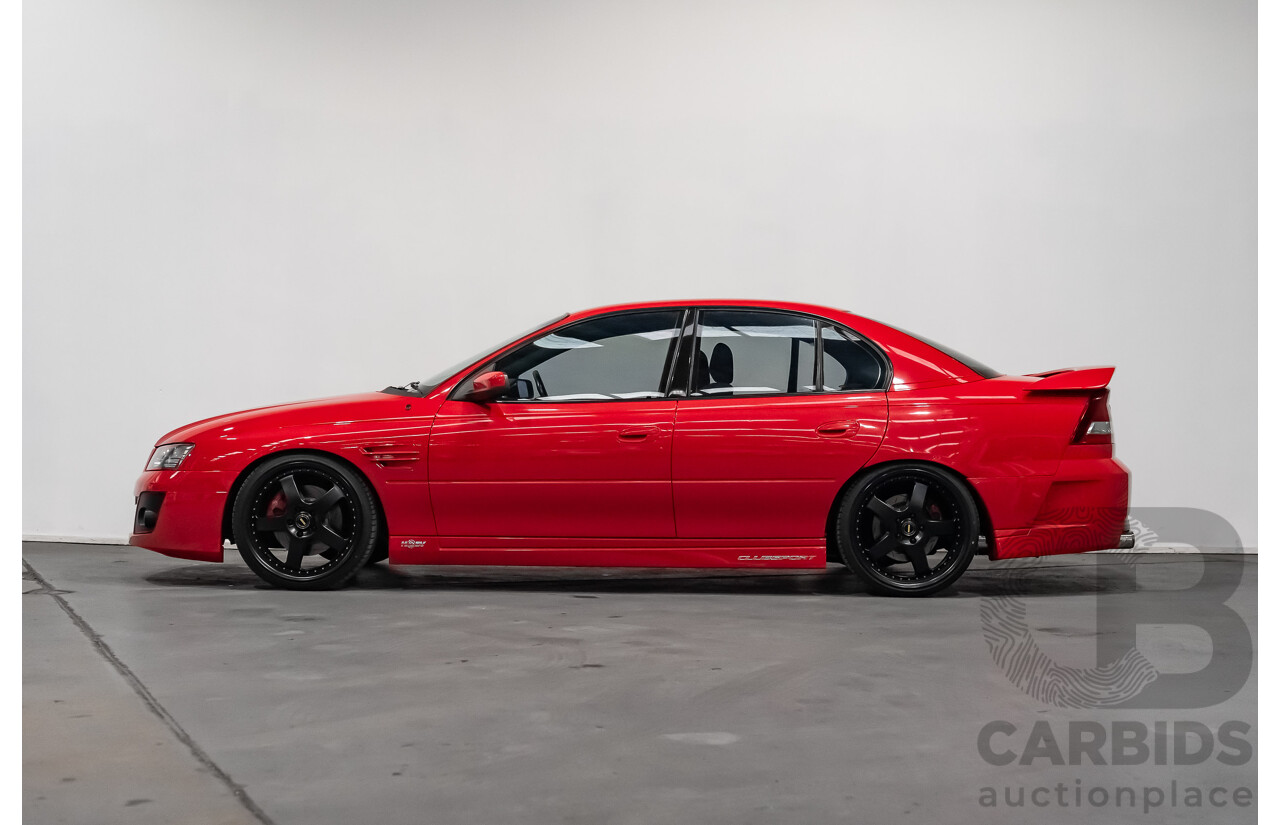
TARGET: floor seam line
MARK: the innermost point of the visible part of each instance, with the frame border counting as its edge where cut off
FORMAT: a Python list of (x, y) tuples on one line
[(104, 650)]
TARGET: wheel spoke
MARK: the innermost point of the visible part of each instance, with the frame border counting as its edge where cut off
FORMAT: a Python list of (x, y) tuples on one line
[(326, 502), (887, 515), (297, 549), (328, 536), (291, 492), (938, 528), (919, 562), (272, 524), (882, 547), (916, 505)]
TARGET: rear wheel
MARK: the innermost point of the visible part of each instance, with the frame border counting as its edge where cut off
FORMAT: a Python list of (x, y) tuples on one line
[(305, 522), (908, 529)]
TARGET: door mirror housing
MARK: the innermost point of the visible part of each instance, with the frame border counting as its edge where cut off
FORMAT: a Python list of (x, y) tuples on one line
[(486, 387)]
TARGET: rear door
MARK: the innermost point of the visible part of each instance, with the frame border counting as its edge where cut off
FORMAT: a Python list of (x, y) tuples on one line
[(780, 409)]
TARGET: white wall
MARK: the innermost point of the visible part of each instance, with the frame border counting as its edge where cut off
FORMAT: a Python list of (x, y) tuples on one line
[(229, 204)]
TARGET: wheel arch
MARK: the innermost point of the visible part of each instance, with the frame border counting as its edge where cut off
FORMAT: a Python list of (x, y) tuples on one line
[(228, 534), (984, 518)]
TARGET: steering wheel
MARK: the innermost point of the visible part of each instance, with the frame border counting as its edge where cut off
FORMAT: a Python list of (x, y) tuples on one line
[(538, 386)]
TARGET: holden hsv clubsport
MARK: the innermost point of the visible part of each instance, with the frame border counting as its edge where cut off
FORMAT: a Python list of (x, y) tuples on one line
[(668, 434)]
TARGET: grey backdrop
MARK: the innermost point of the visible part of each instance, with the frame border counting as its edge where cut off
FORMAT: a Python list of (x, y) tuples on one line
[(230, 204)]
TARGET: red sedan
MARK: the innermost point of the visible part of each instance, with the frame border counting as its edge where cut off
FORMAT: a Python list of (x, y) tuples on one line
[(669, 434)]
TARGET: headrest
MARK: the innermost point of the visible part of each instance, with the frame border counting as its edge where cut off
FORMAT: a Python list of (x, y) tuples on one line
[(721, 364)]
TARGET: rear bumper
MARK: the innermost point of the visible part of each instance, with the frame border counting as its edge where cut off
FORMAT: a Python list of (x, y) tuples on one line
[(1084, 508), (179, 513)]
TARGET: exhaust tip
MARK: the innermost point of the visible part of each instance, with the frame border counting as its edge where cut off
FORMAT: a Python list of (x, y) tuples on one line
[(1127, 540)]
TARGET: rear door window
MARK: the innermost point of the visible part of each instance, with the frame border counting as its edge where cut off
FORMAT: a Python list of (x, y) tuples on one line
[(754, 352)]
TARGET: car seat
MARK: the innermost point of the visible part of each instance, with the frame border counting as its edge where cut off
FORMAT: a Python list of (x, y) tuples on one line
[(701, 370)]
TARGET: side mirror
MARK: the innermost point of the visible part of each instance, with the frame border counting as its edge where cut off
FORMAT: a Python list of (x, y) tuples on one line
[(486, 387)]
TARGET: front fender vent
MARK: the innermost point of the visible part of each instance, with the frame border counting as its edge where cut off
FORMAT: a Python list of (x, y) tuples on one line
[(391, 455)]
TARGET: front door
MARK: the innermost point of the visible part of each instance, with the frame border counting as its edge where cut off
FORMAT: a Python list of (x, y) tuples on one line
[(782, 409), (582, 448)]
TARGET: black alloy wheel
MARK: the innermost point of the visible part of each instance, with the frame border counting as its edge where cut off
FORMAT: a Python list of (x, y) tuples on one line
[(305, 522), (908, 529)]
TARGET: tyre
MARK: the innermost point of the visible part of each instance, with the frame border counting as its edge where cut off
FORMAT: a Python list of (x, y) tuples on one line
[(908, 529), (305, 522), (381, 551)]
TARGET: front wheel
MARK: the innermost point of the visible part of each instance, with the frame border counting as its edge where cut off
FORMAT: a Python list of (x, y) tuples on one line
[(908, 529), (305, 522)]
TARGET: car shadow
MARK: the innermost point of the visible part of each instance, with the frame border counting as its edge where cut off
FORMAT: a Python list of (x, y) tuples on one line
[(984, 579)]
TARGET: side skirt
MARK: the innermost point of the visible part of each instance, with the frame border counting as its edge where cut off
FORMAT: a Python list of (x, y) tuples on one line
[(599, 552)]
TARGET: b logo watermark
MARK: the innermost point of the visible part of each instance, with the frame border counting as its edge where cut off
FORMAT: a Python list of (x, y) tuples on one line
[(1188, 607), (1123, 677)]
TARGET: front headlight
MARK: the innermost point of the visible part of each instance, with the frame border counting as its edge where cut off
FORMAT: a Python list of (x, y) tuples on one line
[(168, 456)]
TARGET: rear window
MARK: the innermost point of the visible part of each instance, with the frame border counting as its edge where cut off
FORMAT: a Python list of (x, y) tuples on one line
[(972, 363)]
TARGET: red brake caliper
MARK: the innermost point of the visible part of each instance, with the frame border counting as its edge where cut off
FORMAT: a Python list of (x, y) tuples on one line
[(277, 506)]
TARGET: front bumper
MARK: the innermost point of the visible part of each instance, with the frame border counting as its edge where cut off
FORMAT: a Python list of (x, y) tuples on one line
[(179, 512)]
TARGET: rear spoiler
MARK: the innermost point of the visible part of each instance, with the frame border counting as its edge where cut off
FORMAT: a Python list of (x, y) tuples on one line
[(1083, 378)]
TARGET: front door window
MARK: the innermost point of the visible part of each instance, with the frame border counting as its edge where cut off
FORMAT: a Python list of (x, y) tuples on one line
[(610, 358)]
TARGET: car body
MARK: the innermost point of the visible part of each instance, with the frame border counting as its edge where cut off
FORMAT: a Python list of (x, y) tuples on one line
[(647, 451)]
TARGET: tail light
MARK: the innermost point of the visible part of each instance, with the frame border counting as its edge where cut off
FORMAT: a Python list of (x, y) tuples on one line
[(1095, 424)]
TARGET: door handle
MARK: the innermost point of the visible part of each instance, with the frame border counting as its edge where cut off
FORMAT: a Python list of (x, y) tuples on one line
[(833, 429), (636, 433)]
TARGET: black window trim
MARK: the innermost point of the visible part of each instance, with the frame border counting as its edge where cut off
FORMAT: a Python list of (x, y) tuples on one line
[(682, 363), (680, 357)]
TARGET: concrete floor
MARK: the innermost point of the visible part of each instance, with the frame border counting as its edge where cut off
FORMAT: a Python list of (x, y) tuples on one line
[(157, 690)]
